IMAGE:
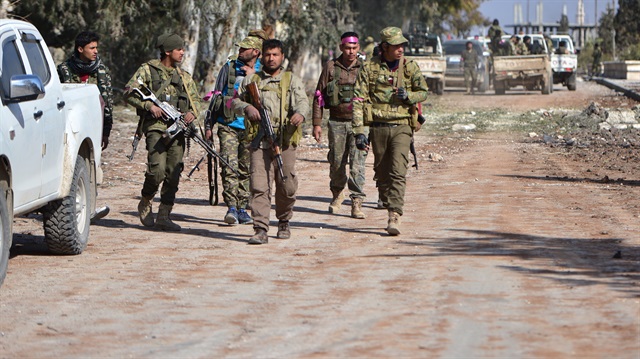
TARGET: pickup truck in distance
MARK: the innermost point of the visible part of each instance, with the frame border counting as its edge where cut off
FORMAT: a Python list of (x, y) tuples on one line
[(564, 65), (531, 71), (50, 138)]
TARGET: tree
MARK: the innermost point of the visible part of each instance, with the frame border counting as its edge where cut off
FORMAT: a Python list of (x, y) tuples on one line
[(606, 31), (627, 25)]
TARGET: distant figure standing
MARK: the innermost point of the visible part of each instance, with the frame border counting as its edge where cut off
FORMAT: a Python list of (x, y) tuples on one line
[(470, 62), (597, 60)]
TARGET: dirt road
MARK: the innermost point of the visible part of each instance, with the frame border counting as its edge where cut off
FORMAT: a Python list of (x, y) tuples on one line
[(507, 251)]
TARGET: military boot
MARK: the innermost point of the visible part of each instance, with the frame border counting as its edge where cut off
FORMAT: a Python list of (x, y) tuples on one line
[(145, 211), (164, 222), (393, 226), (336, 202), (356, 209)]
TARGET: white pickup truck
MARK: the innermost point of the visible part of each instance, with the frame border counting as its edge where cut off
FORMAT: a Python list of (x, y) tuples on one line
[(50, 137), (564, 65)]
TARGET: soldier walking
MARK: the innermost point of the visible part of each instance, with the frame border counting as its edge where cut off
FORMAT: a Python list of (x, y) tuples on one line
[(335, 92), (283, 96), (231, 128), (389, 108), (85, 66), (164, 159), (470, 62)]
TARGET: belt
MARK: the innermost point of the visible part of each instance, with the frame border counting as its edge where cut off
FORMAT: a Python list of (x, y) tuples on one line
[(384, 124), (337, 119)]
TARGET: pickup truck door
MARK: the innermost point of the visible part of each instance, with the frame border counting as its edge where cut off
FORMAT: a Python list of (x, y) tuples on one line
[(52, 108), (21, 127)]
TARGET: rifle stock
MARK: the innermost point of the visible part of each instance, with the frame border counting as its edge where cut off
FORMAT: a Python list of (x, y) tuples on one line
[(267, 127)]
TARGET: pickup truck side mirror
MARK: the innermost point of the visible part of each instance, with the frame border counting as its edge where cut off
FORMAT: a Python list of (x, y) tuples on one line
[(25, 88)]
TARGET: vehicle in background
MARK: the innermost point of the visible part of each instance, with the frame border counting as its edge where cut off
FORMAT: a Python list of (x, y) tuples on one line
[(564, 66), (426, 50), (455, 68), (533, 72), (50, 144)]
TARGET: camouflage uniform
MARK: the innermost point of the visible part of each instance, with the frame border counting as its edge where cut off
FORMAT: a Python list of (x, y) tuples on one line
[(164, 161), (470, 63), (231, 133), (391, 120), (520, 48), (336, 88), (597, 61), (100, 77), (263, 166), (369, 47)]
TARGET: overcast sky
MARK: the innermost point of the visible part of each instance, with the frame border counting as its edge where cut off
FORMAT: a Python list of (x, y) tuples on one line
[(503, 10)]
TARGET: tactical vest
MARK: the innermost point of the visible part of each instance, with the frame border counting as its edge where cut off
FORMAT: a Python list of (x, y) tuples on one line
[(181, 101), (336, 92), (381, 83), (287, 133)]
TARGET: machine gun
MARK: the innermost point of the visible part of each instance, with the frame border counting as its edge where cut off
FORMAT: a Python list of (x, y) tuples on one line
[(177, 124), (266, 129)]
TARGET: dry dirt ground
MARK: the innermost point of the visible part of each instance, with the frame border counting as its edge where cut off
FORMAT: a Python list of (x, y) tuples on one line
[(507, 251)]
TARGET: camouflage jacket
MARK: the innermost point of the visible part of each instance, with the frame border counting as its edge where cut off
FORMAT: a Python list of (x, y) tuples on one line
[(296, 101), (180, 91), (348, 77), (375, 92), (102, 78), (469, 58)]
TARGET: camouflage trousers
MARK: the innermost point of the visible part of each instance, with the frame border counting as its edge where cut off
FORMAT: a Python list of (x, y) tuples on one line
[(470, 77), (164, 165), (234, 149), (391, 159), (343, 151)]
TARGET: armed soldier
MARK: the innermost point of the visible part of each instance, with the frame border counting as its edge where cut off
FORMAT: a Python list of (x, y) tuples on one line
[(335, 92), (284, 103), (389, 108), (85, 66), (469, 58), (164, 160), (231, 128), (494, 34)]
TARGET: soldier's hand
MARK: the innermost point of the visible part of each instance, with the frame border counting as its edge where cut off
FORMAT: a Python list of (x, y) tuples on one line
[(189, 117), (317, 132), (402, 93), (252, 113), (248, 70), (362, 142), (207, 134), (156, 112), (296, 119)]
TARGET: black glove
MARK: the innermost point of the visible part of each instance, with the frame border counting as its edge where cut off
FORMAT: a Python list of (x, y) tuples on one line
[(402, 94), (362, 142)]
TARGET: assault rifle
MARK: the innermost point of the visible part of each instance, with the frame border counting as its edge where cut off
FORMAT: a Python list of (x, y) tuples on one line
[(177, 124), (134, 144), (266, 129), (412, 148)]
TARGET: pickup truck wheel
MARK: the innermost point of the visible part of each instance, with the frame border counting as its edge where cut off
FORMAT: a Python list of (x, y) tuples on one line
[(499, 87), (6, 237), (66, 221), (571, 82), (439, 88)]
